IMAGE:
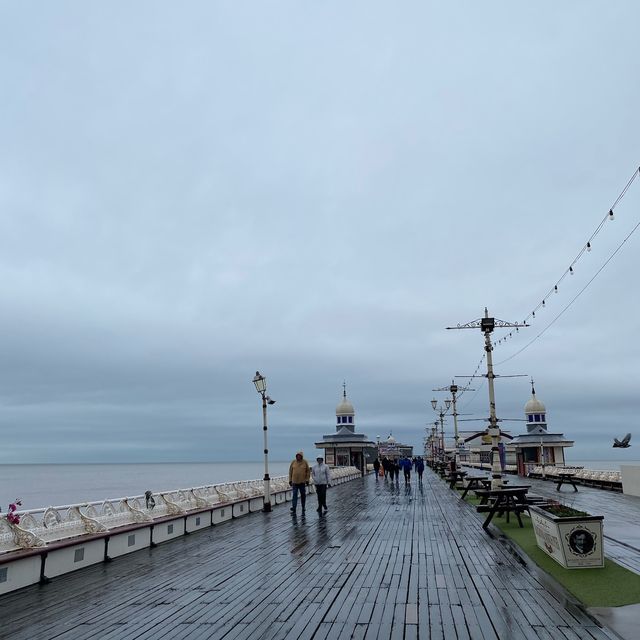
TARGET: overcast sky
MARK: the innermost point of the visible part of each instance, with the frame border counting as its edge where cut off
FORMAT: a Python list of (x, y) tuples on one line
[(193, 191)]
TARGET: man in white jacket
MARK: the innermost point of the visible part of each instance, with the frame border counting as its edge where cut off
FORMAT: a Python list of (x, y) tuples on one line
[(321, 475)]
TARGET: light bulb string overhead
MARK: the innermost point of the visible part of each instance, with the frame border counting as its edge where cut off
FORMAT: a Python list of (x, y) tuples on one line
[(586, 247), (575, 297)]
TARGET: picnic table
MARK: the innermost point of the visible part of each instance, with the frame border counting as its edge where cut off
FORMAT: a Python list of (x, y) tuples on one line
[(566, 477), (454, 476), (509, 500), (473, 482)]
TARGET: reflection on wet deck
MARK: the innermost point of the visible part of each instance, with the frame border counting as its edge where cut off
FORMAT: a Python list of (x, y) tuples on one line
[(387, 561)]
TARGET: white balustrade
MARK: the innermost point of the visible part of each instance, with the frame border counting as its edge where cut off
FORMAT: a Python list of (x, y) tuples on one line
[(39, 527)]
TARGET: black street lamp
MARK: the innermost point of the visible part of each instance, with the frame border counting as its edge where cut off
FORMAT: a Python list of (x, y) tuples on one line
[(261, 387)]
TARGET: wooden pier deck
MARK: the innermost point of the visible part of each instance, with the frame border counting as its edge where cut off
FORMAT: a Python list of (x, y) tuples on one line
[(385, 562)]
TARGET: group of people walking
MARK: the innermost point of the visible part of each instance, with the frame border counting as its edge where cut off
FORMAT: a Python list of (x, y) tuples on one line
[(300, 474), (390, 467)]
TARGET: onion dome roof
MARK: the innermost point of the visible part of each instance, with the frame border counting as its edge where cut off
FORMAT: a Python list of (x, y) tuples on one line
[(534, 405), (345, 408)]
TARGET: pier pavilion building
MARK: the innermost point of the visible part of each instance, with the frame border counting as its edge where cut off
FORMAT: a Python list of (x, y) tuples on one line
[(345, 447), (537, 446), (391, 448)]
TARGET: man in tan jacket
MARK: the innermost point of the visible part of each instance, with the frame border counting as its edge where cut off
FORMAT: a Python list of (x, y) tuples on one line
[(299, 474)]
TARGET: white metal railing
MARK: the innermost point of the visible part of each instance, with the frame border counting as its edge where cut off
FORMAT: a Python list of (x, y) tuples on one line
[(580, 473), (40, 527)]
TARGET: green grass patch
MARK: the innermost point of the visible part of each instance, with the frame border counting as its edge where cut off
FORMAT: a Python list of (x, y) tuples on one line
[(612, 586)]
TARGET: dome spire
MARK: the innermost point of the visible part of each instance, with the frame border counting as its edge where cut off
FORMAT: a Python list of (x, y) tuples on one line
[(535, 412), (345, 414)]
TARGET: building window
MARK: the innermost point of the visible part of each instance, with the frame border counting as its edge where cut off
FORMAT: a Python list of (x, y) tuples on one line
[(131, 540), (198, 521), (530, 417), (169, 528), (350, 419), (78, 556), (536, 417), (3, 574)]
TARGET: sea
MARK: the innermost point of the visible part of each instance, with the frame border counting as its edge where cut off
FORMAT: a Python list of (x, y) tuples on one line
[(48, 485)]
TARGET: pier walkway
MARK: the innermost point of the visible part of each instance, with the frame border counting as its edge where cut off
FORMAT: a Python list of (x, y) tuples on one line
[(385, 562)]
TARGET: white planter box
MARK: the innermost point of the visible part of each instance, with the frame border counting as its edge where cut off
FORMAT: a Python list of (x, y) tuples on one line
[(574, 542)]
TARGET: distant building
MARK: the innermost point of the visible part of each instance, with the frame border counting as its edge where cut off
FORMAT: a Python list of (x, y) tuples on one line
[(345, 447), (537, 446), (389, 448)]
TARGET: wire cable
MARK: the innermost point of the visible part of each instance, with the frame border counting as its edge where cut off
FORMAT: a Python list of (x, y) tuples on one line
[(575, 297)]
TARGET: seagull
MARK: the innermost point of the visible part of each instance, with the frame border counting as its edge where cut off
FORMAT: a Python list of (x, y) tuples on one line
[(622, 444)]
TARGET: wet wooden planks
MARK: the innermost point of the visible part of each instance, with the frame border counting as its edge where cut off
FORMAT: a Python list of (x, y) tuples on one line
[(387, 561)]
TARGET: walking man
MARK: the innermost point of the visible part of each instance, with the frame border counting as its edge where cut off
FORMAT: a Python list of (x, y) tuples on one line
[(299, 474), (321, 479), (405, 463)]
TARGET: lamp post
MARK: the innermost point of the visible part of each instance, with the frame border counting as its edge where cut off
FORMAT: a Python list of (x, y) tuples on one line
[(261, 387), (441, 413), (487, 324), (453, 388)]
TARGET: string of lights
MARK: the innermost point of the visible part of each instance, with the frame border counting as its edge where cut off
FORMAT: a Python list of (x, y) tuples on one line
[(468, 385), (586, 247), (606, 262), (473, 397), (555, 288), (570, 269)]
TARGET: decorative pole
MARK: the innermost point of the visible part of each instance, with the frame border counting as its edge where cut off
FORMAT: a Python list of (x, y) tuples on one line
[(487, 325), (453, 389), (441, 414), (261, 387)]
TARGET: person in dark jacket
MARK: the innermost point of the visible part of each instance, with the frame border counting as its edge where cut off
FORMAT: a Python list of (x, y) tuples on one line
[(405, 463)]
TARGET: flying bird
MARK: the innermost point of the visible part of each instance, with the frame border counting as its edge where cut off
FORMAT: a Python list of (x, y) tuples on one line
[(622, 444)]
